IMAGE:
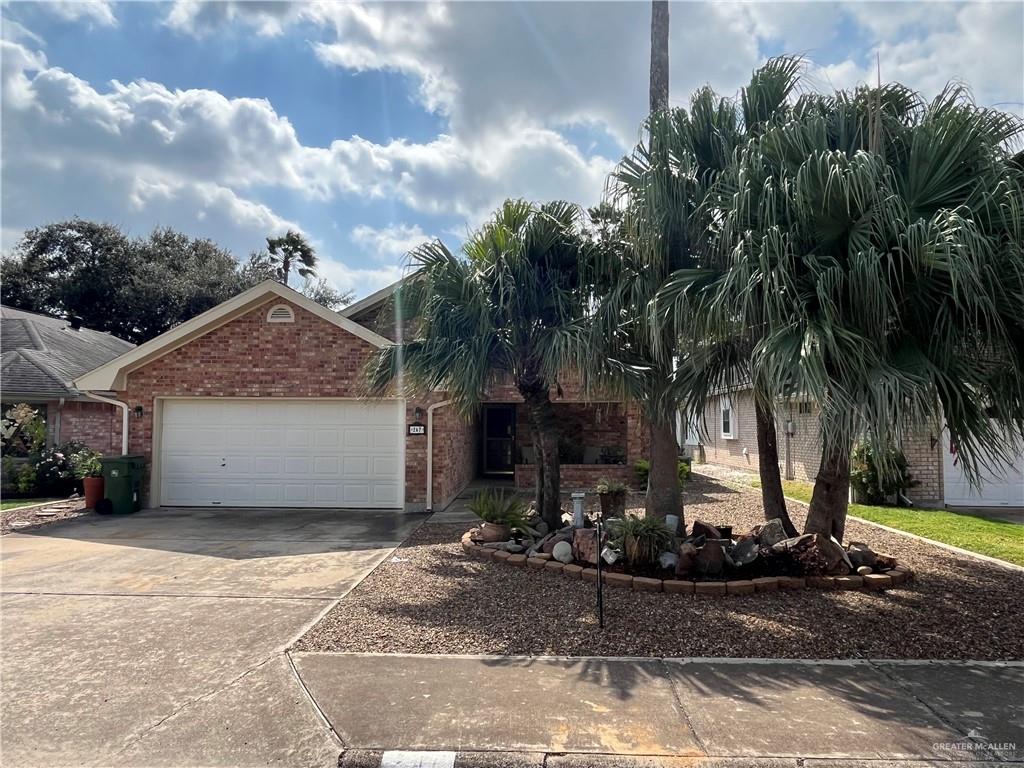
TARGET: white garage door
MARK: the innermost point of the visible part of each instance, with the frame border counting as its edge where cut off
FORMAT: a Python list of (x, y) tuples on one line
[(1003, 487), (282, 453)]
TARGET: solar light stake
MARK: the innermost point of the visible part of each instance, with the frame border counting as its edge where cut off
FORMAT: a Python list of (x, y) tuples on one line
[(600, 581)]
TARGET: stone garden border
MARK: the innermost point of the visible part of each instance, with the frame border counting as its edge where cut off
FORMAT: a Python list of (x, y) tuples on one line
[(874, 582)]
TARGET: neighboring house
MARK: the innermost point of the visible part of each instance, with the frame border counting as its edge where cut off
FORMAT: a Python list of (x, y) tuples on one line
[(260, 401), (41, 356), (939, 479)]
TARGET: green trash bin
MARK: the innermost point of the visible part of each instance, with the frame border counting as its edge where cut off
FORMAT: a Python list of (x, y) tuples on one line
[(122, 483)]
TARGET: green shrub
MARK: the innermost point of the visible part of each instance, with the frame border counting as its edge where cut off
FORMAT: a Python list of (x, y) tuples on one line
[(643, 472), (867, 479), (640, 539), (86, 463), (604, 485), (499, 508)]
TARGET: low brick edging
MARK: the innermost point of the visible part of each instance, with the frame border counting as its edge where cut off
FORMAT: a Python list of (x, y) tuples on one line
[(873, 582)]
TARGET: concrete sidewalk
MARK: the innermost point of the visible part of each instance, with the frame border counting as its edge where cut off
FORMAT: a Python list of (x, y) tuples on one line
[(738, 712)]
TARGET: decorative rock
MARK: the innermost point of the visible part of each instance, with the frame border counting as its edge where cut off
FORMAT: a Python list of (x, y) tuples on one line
[(849, 582), (711, 558), (864, 570), (771, 533), (500, 554), (584, 545), (741, 587), (687, 559), (767, 584), (877, 581), (860, 554), (535, 562), (517, 560), (668, 560), (678, 586), (562, 552), (709, 587), (821, 582), (542, 528), (589, 574), (644, 584), (700, 528), (744, 553), (792, 582), (554, 565), (549, 545), (619, 580), (899, 575), (573, 571)]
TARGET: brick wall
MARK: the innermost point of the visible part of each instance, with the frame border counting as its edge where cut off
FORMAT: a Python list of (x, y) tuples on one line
[(98, 425), (804, 447), (582, 426), (578, 477), (924, 461), (720, 450)]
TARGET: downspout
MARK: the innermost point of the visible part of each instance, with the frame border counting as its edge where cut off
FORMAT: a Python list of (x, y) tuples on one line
[(430, 452), (56, 422), (124, 417)]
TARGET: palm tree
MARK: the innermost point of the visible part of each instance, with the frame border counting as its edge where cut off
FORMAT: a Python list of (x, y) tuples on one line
[(716, 355), (886, 237), (659, 55), (292, 250), (659, 190), (511, 308)]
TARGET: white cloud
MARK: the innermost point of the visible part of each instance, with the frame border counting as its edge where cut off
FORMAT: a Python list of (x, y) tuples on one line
[(97, 12), (390, 243), (980, 44)]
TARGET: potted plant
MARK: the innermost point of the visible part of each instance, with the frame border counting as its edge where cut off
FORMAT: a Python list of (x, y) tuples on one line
[(613, 497), (499, 512), (87, 468)]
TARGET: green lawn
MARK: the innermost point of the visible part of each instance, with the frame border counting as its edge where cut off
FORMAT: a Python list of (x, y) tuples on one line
[(976, 534), (15, 503)]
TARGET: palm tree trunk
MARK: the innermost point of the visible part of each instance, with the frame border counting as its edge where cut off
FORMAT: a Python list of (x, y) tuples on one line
[(542, 414), (659, 56), (829, 500), (663, 494), (772, 498)]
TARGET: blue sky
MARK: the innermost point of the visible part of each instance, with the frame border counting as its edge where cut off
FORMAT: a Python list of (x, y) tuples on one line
[(373, 127)]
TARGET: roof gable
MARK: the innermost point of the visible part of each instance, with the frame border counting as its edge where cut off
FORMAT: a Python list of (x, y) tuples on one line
[(112, 375)]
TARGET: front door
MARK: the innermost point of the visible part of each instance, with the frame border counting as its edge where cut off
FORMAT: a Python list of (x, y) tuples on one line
[(499, 446)]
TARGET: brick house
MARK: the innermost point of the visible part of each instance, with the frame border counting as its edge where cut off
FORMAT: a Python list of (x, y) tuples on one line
[(41, 356), (260, 402), (730, 439)]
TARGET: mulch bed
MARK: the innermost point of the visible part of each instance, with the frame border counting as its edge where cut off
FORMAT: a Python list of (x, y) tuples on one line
[(62, 510), (433, 598)]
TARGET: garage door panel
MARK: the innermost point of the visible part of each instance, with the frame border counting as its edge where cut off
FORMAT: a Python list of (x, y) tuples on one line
[(281, 453), (1002, 485)]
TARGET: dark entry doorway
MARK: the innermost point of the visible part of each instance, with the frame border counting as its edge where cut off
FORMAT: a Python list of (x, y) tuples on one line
[(499, 439)]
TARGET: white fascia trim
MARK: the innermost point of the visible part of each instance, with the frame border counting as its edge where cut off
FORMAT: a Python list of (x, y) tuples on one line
[(373, 298), (110, 375)]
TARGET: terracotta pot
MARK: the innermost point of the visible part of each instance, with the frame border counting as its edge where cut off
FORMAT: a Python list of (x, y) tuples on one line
[(495, 532), (93, 491)]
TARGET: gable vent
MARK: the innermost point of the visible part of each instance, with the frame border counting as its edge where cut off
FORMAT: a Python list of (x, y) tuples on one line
[(282, 313)]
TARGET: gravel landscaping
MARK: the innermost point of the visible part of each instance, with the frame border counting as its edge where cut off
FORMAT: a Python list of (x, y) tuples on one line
[(28, 519), (431, 597)]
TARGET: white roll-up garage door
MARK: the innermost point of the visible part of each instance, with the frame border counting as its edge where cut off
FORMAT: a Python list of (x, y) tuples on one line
[(1001, 486), (282, 453)]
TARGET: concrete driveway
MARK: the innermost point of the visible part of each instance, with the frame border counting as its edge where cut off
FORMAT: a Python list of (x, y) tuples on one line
[(158, 639)]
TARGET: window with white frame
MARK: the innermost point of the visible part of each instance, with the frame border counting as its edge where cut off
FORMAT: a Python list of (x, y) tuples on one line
[(727, 419)]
